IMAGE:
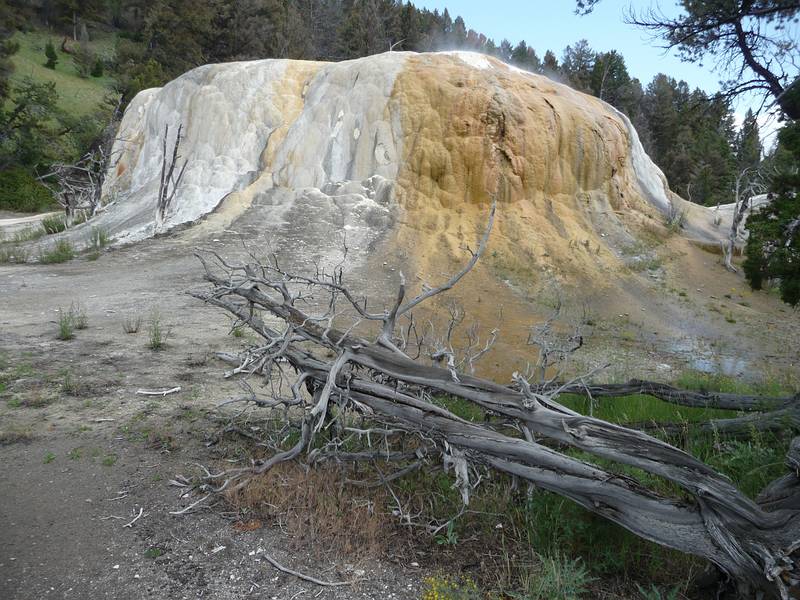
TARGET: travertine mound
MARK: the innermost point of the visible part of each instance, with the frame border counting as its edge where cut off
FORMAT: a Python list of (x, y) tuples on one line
[(404, 147)]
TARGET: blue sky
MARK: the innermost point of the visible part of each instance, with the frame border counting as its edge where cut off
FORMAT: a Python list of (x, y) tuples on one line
[(553, 24)]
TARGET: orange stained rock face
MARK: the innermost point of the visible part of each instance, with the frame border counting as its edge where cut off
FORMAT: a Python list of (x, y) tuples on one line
[(557, 162)]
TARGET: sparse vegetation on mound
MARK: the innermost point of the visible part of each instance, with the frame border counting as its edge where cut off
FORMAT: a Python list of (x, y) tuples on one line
[(62, 251)]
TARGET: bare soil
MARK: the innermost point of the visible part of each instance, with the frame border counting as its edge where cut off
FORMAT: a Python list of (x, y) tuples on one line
[(74, 435)]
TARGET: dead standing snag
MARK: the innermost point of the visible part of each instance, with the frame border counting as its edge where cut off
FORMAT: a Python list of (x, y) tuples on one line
[(332, 377), (169, 182)]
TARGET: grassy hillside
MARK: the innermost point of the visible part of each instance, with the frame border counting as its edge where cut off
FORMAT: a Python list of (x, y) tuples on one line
[(60, 132), (77, 96)]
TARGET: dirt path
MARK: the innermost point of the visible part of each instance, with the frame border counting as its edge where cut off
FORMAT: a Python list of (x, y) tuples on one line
[(74, 433), (11, 222), (64, 537)]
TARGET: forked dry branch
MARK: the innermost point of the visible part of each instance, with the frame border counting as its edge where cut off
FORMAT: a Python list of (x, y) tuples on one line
[(334, 386)]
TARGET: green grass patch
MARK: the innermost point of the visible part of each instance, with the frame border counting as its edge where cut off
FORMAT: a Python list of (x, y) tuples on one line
[(62, 251), (54, 224), (153, 552), (717, 382), (28, 234), (13, 254), (469, 411), (641, 409), (77, 96), (66, 326), (156, 333)]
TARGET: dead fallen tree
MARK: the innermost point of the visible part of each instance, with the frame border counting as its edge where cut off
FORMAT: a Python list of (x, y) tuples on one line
[(335, 386), (765, 413), (673, 395)]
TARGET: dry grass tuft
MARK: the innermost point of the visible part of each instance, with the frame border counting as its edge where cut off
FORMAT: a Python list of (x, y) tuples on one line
[(319, 510), (15, 435)]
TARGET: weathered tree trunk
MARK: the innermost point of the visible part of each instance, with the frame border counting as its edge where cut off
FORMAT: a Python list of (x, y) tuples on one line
[(668, 393)]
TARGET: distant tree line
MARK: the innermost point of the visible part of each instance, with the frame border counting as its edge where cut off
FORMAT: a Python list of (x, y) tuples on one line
[(690, 135)]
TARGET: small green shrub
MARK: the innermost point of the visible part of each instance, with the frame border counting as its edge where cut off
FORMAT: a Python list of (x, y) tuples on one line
[(97, 68), (449, 537), (52, 56), (20, 192), (443, 587), (559, 577), (676, 220), (78, 313), (98, 239), (54, 224), (66, 327), (153, 552), (13, 254), (70, 320), (48, 458), (61, 252), (27, 235), (157, 335)]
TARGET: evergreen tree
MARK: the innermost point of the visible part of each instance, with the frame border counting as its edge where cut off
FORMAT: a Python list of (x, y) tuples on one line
[(97, 69), (179, 33), (525, 58), (458, 35), (28, 126), (411, 28), (748, 143), (370, 27), (550, 63), (577, 65), (506, 51), (50, 53), (773, 246), (610, 80), (7, 49)]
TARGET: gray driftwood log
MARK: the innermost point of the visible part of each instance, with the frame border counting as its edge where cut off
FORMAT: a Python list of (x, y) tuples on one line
[(326, 374)]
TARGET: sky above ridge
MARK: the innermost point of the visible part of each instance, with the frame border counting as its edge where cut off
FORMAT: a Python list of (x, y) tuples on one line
[(553, 24)]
